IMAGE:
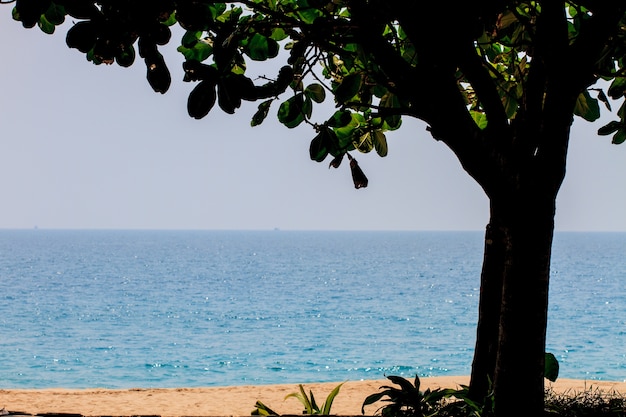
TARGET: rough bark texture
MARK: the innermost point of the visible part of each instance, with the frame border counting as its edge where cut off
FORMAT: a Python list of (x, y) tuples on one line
[(527, 240), (484, 364), (513, 307)]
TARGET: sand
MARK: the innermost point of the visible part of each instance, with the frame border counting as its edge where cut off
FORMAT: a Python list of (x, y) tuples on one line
[(226, 401)]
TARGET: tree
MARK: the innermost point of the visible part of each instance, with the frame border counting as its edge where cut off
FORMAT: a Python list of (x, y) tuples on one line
[(498, 82)]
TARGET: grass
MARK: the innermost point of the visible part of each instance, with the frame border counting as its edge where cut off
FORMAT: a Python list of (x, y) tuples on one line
[(592, 402)]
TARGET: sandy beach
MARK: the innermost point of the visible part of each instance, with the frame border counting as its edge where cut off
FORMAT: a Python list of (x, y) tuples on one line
[(226, 401)]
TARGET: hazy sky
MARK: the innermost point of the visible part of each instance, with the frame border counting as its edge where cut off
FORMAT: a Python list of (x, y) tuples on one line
[(87, 146)]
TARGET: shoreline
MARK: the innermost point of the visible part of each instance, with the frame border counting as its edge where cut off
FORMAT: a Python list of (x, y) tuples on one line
[(232, 400)]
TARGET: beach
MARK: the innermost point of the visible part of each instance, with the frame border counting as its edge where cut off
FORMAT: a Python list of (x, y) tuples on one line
[(228, 401)]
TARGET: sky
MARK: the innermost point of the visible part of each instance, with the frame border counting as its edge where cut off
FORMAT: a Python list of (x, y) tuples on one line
[(93, 147)]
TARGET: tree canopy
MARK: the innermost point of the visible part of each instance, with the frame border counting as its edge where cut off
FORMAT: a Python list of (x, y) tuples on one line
[(498, 82), (379, 60)]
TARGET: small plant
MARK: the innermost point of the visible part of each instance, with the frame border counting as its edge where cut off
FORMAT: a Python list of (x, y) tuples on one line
[(310, 407), (261, 409), (408, 400), (308, 401), (466, 406), (592, 402)]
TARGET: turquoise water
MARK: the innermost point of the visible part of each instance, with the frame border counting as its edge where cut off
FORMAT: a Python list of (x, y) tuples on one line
[(122, 309)]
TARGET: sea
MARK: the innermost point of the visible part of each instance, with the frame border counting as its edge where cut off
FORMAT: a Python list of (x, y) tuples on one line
[(166, 309)]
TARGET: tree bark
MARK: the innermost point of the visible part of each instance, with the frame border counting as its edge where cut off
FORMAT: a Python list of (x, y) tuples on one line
[(524, 308), (484, 364), (511, 333)]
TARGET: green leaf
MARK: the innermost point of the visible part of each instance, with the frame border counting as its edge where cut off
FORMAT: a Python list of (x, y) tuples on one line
[(260, 48), (346, 133), (279, 34), (290, 112), (329, 400), (199, 52), (480, 119), (349, 87), (315, 92), (380, 143), (261, 409), (587, 107), (324, 143), (551, 367), (190, 38), (340, 118), (308, 14), (261, 113), (364, 143), (45, 25), (317, 149), (307, 107), (391, 101)]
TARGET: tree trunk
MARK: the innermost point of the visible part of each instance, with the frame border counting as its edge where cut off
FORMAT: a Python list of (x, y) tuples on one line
[(484, 364), (511, 334)]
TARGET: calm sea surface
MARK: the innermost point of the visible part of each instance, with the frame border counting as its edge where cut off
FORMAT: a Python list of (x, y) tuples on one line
[(122, 309)]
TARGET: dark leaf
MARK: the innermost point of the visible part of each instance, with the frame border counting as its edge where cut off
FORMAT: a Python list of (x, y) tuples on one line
[(417, 382), (290, 112), (404, 383), (55, 14), (358, 177), (317, 149), (161, 34), (196, 71), (551, 367), (619, 137), (380, 143), (371, 399), (341, 118), (158, 74), (29, 12), (125, 56), (315, 92), (587, 107), (190, 38), (80, 9), (228, 97), (390, 104), (610, 128), (261, 113), (201, 99), (147, 48), (82, 36), (336, 162), (349, 87), (243, 85), (324, 143), (617, 88), (603, 98), (285, 76)]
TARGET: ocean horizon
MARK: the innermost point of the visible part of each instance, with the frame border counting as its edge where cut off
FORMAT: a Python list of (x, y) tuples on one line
[(185, 308)]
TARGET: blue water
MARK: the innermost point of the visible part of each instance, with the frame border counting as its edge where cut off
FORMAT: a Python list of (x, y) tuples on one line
[(121, 309)]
